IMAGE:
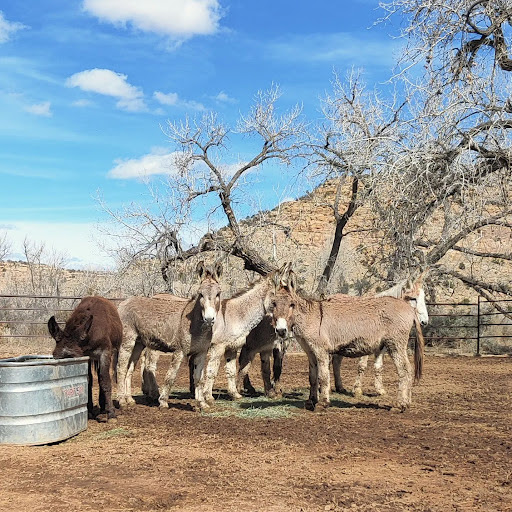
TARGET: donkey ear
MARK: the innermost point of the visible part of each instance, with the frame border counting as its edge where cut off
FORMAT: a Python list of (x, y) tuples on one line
[(87, 328), (53, 327), (217, 271), (419, 281), (292, 281), (276, 277), (285, 273), (200, 269)]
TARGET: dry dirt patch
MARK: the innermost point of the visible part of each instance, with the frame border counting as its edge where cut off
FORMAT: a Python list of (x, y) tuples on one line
[(451, 452)]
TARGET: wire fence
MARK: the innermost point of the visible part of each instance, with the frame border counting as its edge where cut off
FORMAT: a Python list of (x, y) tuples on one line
[(480, 327), (458, 328)]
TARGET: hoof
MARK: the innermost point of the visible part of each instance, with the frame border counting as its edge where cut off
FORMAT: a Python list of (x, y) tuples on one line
[(163, 404), (111, 415), (310, 405), (322, 406), (202, 407), (272, 393), (357, 392), (236, 396), (403, 407), (126, 402), (209, 400), (106, 417), (381, 392)]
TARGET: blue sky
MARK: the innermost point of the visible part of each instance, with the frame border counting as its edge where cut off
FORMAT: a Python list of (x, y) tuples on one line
[(85, 87)]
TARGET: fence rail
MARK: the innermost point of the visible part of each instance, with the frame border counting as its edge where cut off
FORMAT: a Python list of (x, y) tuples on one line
[(469, 327)]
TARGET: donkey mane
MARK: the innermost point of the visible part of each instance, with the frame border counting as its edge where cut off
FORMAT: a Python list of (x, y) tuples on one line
[(243, 291), (394, 291)]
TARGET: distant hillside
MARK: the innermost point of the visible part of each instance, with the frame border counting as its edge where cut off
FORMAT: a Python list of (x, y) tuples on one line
[(300, 231)]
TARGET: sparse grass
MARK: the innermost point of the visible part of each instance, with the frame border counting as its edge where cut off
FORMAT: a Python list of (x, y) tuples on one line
[(246, 409)]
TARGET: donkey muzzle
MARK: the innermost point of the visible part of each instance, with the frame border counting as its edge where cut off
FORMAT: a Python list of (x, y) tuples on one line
[(281, 327)]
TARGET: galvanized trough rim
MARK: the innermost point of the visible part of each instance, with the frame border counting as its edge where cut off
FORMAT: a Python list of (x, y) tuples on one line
[(36, 360)]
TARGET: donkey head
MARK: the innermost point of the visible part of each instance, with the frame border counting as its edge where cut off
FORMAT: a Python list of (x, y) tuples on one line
[(209, 291), (71, 341), (415, 295), (282, 301)]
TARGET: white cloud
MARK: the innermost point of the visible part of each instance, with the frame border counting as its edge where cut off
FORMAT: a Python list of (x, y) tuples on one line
[(178, 19), (222, 97), (40, 109), (160, 162), (172, 99), (7, 28), (166, 99), (110, 83), (157, 162)]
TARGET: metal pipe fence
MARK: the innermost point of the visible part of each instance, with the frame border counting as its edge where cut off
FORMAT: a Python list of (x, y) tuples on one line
[(464, 327)]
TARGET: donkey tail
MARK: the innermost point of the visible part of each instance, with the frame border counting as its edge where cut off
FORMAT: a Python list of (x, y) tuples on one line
[(115, 358), (419, 349)]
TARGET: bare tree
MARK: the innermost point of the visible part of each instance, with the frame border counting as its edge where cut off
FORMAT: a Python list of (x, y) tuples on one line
[(453, 169), (5, 246), (46, 268), (352, 148), (203, 177), (431, 162)]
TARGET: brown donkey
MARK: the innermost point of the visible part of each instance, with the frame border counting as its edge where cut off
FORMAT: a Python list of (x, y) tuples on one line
[(177, 325), (94, 329), (351, 327), (264, 341)]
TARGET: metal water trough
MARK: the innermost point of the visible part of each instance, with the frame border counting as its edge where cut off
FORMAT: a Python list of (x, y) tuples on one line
[(42, 400)]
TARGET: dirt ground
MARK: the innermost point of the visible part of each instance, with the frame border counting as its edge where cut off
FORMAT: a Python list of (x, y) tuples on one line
[(452, 451)]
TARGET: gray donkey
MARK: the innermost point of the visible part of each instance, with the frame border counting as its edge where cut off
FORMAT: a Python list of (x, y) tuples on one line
[(177, 325), (412, 293), (350, 327), (237, 317)]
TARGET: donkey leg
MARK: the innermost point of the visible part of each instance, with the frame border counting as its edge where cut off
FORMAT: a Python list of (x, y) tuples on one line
[(191, 366), (336, 369), (266, 374), (378, 367), (244, 364), (199, 362), (134, 358), (102, 399), (126, 349), (174, 366), (324, 384), (277, 368), (90, 403), (313, 383), (404, 370), (105, 383), (361, 368), (230, 369), (214, 355), (148, 373)]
